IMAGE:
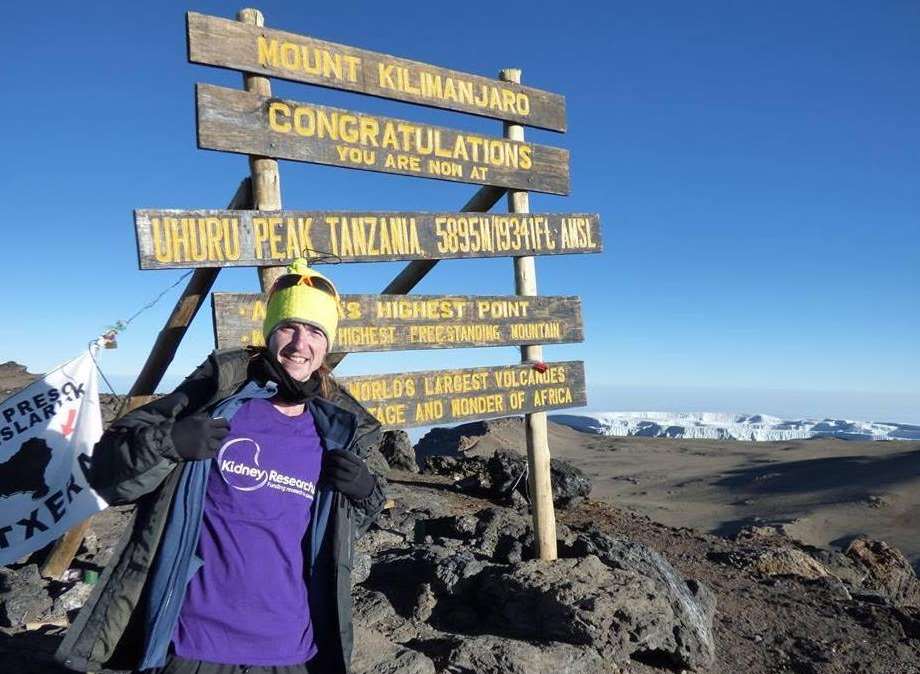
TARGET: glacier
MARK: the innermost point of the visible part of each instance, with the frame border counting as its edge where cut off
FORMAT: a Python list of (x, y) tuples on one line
[(728, 426)]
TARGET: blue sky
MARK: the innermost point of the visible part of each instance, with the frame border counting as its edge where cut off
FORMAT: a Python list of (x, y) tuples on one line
[(755, 167)]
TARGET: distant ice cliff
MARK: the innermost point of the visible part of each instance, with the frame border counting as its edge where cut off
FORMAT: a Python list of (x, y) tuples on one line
[(723, 426)]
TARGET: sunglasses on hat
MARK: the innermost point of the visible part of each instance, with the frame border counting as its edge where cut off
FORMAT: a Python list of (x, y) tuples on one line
[(291, 280)]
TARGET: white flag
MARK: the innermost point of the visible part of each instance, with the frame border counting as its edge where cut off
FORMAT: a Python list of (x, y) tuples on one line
[(47, 433)]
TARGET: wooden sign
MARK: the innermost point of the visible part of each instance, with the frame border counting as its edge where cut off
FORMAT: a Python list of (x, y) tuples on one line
[(238, 121), (231, 44), (397, 322), (455, 396), (221, 238)]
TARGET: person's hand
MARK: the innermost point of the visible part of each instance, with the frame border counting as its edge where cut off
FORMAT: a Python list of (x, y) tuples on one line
[(347, 473), (199, 436)]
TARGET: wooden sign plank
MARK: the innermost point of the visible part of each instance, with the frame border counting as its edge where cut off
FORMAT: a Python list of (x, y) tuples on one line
[(405, 322), (454, 396), (231, 120), (224, 43), (222, 238)]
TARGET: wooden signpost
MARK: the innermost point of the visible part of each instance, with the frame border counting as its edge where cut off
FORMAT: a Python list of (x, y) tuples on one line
[(239, 121), (400, 322), (209, 238), (266, 128)]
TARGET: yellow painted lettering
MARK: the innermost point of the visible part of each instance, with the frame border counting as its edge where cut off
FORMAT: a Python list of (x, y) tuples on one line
[(278, 109), (369, 128), (385, 76), (526, 158), (304, 121), (214, 249), (290, 56), (352, 63), (260, 235), (348, 128), (268, 52)]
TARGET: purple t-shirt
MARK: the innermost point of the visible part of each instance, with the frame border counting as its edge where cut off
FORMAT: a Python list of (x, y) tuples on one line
[(247, 605)]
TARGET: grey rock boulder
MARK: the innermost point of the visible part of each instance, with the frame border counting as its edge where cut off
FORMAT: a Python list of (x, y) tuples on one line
[(497, 529), (23, 596), (787, 561), (453, 570), (375, 654), (373, 609), (361, 567), (581, 602), (887, 571), (690, 643), (492, 655), (398, 451), (72, 599)]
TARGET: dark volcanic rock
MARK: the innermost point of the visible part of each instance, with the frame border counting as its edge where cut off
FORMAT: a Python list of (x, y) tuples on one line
[(496, 525), (449, 466), (397, 450), (458, 468), (508, 471), (503, 476), (445, 569), (451, 441), (23, 597), (451, 571), (464, 574)]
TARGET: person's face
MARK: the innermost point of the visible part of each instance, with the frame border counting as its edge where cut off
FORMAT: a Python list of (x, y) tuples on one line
[(300, 348)]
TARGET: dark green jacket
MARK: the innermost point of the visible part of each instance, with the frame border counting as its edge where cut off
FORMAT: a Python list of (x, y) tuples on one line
[(135, 461)]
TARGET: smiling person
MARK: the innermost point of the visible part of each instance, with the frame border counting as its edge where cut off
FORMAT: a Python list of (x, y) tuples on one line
[(251, 487)]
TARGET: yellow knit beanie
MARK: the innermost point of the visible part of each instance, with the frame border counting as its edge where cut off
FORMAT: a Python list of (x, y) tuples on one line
[(305, 296)]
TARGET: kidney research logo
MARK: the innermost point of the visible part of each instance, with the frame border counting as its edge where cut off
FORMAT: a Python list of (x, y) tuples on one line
[(237, 472), (238, 461)]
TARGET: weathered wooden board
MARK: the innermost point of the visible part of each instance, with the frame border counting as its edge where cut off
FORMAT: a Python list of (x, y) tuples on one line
[(222, 238), (231, 120), (402, 322), (455, 396), (220, 42)]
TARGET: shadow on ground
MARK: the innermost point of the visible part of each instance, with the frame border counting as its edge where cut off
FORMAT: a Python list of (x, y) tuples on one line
[(837, 478)]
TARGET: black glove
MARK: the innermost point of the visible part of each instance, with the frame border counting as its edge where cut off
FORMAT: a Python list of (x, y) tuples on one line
[(347, 473), (199, 436)]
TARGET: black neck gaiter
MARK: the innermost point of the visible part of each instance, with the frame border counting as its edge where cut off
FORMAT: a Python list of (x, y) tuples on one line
[(267, 368)]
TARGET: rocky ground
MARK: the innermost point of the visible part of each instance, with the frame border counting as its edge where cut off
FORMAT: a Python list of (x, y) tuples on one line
[(445, 582), (824, 492)]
